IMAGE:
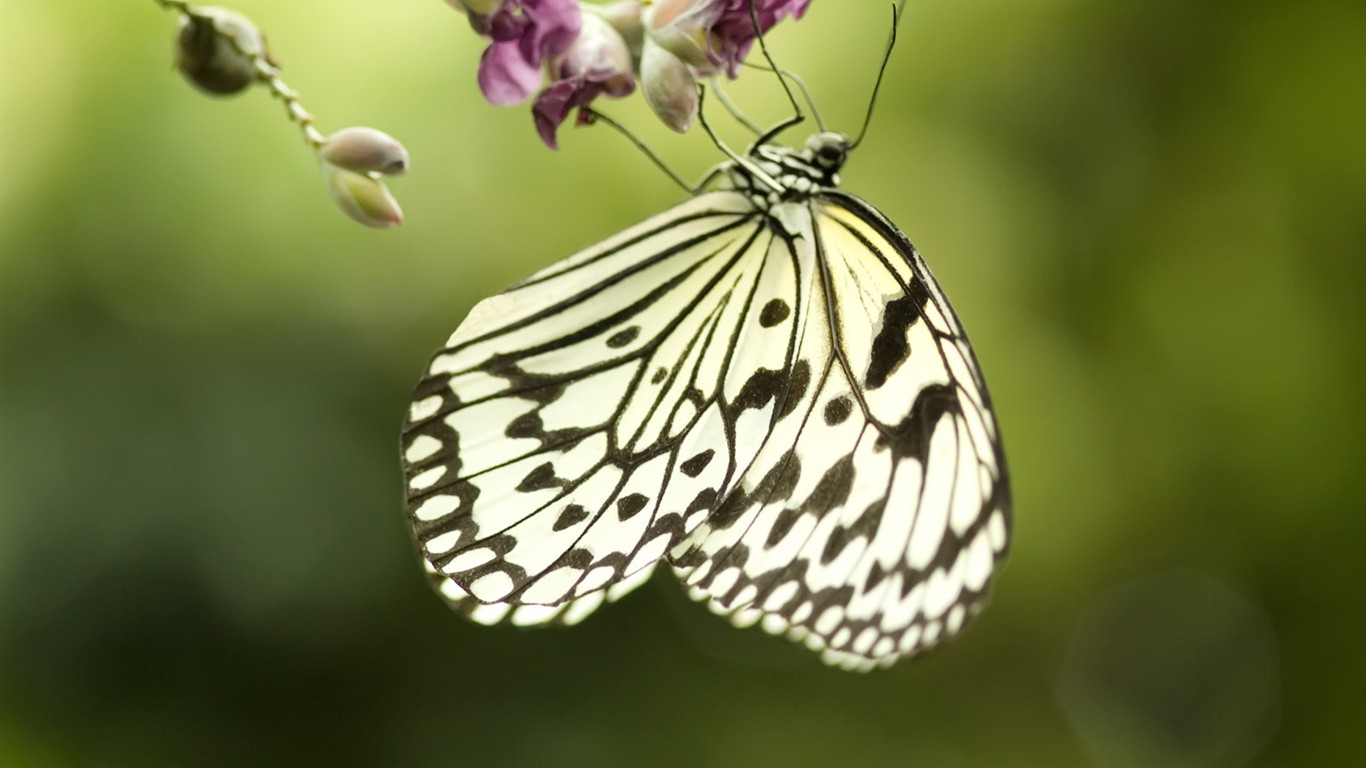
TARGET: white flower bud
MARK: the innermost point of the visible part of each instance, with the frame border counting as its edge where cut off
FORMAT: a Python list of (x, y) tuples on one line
[(669, 86), (364, 150), (680, 27), (206, 54), (624, 16), (362, 197)]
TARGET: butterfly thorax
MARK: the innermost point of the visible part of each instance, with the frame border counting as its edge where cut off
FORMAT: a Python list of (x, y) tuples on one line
[(771, 175)]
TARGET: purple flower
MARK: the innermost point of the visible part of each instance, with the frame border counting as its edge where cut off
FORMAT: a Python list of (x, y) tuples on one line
[(597, 64), (524, 33), (716, 34), (733, 32), (592, 51)]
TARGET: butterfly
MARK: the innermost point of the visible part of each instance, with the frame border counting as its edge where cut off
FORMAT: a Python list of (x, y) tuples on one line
[(762, 388)]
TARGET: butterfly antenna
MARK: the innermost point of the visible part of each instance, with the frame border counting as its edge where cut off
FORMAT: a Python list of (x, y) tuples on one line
[(801, 86), (734, 110), (596, 116), (797, 116), (753, 169), (897, 13)]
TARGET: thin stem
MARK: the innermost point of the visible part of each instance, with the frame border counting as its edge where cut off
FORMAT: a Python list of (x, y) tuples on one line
[(267, 73), (597, 116)]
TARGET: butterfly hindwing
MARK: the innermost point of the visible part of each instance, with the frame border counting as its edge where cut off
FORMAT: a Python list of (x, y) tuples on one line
[(874, 514)]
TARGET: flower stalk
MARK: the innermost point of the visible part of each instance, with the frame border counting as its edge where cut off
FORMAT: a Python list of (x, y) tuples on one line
[(222, 52)]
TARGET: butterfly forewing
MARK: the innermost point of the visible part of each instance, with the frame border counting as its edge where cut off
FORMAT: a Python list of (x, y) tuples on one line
[(580, 424)]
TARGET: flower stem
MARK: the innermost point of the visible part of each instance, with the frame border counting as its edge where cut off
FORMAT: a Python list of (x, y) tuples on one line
[(267, 73)]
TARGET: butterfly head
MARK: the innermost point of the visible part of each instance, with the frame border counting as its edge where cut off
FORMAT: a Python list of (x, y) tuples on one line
[(828, 151)]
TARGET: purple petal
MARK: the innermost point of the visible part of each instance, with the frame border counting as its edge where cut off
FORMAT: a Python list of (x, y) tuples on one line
[(733, 33), (555, 103), (553, 26), (551, 109), (505, 77)]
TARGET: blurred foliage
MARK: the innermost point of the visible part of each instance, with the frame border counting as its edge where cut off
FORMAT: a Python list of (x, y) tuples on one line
[(1150, 215)]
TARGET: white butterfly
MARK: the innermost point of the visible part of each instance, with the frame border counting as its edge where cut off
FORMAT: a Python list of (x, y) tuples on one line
[(763, 387)]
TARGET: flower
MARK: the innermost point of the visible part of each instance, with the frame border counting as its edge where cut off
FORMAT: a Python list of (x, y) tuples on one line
[(733, 31), (597, 50), (365, 150), (524, 33), (597, 64), (686, 38), (716, 34)]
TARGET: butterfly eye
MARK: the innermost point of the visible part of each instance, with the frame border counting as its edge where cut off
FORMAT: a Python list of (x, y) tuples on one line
[(828, 150), (830, 156)]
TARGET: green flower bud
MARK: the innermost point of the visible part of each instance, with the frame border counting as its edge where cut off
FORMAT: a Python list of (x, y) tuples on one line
[(669, 86), (363, 197), (365, 150), (206, 54)]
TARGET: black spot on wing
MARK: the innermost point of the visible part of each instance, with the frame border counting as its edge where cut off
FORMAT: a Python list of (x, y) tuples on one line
[(661, 373), (630, 505), (774, 312), (572, 515), (833, 489), (762, 386), (782, 526), (705, 499), (526, 425), (911, 438), (796, 389), (890, 347), (539, 479), (694, 466), (838, 409), (623, 337)]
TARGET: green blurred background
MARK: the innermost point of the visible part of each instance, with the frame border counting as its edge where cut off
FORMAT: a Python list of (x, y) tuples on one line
[(1150, 214)]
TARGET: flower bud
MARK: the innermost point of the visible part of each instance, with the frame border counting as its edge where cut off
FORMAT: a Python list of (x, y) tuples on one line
[(624, 17), (364, 150), (669, 86), (680, 27), (362, 197), (209, 58)]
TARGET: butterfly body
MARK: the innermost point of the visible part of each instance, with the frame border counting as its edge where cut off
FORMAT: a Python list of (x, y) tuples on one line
[(763, 387)]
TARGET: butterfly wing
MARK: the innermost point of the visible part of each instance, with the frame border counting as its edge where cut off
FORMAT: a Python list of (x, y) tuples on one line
[(580, 424), (873, 516)]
